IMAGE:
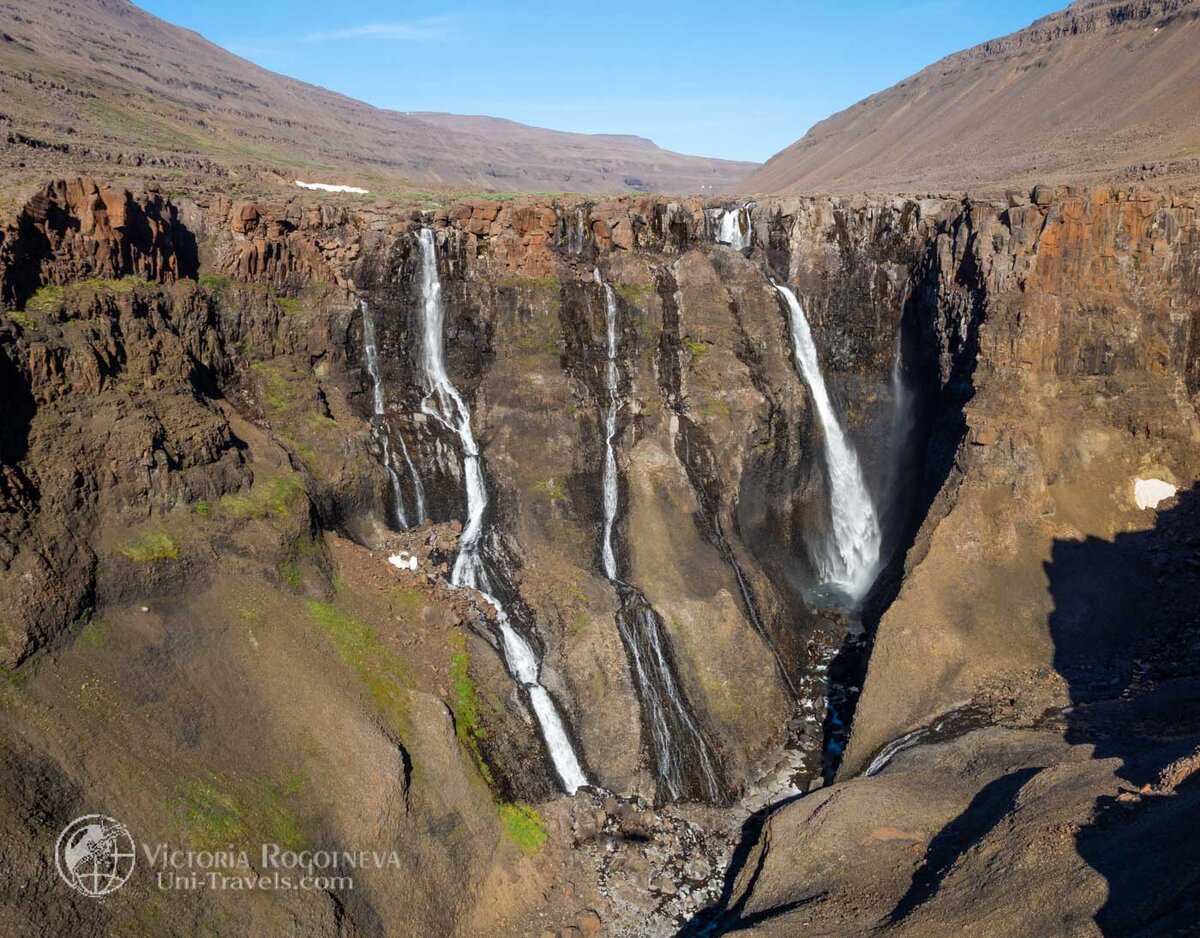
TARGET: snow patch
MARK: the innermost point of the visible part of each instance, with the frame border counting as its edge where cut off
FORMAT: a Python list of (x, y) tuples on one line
[(403, 561), (326, 187), (1149, 493)]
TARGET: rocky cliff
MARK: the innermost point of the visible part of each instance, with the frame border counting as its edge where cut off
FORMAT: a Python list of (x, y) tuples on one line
[(196, 499)]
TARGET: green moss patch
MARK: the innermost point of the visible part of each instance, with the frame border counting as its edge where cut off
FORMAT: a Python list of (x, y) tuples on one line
[(213, 812), (214, 282), (464, 704), (45, 300), (266, 499), (21, 319), (406, 602), (633, 292), (274, 387), (552, 489), (151, 548), (524, 825), (289, 305), (95, 633), (359, 648)]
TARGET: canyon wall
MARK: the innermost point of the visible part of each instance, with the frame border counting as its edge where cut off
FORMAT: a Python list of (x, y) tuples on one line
[(1004, 369)]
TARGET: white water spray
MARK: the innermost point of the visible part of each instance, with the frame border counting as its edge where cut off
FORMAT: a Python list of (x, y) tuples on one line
[(443, 402), (576, 237), (849, 564), (678, 744), (734, 226)]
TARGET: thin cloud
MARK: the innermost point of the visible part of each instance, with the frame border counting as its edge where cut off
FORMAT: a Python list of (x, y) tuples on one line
[(424, 30)]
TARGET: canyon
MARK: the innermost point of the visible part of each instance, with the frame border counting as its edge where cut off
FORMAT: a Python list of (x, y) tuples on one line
[(605, 684), (816, 555)]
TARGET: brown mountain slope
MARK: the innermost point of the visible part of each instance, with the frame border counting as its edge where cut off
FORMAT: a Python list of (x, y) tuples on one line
[(1101, 90), (115, 85)]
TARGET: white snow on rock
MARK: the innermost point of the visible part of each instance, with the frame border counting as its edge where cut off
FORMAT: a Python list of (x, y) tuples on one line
[(1148, 493), (326, 187), (403, 561)]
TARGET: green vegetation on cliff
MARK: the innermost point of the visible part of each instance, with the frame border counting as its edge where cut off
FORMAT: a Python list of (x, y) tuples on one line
[(266, 498), (213, 812), (151, 547), (524, 825), (467, 726), (359, 648)]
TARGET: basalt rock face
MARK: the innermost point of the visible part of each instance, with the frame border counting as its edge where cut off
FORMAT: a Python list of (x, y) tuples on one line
[(1078, 317), (1038, 597), (115, 379), (721, 478), (1004, 369), (74, 230)]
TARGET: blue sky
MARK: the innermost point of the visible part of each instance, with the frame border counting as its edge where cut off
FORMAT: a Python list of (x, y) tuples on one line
[(736, 80)]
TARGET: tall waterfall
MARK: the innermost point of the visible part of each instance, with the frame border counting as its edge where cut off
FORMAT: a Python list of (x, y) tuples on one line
[(849, 563), (371, 353), (733, 227), (443, 402), (679, 747)]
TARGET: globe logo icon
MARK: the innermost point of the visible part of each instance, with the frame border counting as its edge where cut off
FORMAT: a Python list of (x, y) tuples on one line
[(95, 855)]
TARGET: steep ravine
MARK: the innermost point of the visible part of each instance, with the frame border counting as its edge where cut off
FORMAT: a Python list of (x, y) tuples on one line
[(1003, 372)]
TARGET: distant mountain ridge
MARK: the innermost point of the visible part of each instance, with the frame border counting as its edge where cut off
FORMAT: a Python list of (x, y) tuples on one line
[(102, 80), (1103, 90)]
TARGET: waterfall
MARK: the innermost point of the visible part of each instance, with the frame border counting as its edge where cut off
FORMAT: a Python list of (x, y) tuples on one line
[(371, 352), (612, 378), (576, 238), (734, 227), (443, 402), (418, 488), (852, 554), (678, 745)]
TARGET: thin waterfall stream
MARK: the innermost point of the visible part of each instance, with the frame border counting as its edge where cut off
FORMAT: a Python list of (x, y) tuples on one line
[(371, 354), (683, 763), (443, 403)]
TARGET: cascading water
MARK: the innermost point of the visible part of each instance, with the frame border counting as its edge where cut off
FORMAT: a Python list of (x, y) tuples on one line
[(418, 488), (576, 238), (733, 227), (849, 563), (371, 353), (683, 762), (443, 403)]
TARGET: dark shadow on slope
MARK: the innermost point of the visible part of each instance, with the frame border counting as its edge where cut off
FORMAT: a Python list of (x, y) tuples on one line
[(17, 406), (1126, 629), (986, 810)]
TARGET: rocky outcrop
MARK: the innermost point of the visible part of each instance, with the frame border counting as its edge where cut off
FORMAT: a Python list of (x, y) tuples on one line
[(1074, 320), (76, 229), (1039, 599)]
